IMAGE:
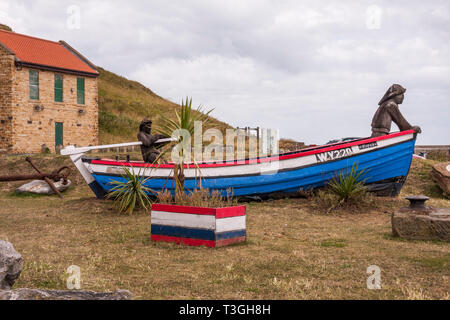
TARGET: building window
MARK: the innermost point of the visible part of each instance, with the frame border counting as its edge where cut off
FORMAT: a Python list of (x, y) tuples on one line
[(58, 88), (34, 85), (80, 90)]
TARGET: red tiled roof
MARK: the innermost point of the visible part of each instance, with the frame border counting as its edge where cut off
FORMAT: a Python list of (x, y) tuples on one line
[(43, 52)]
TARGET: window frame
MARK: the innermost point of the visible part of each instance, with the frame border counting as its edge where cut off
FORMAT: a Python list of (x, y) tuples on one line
[(33, 75), (81, 92), (56, 89)]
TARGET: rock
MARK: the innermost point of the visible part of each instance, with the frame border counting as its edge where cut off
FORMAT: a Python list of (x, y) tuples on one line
[(42, 187), (441, 174), (38, 294), (419, 226), (58, 149), (45, 149), (11, 264)]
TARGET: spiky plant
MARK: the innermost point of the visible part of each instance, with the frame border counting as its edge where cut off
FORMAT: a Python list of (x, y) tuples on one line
[(348, 186), (185, 120), (130, 194)]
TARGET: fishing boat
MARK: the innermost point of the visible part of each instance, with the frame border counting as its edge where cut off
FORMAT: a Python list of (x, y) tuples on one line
[(386, 161)]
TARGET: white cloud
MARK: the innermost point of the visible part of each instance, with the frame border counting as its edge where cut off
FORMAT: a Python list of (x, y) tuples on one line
[(313, 70)]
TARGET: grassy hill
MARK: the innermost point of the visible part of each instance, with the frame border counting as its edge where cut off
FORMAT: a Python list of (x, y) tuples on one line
[(5, 27), (123, 103)]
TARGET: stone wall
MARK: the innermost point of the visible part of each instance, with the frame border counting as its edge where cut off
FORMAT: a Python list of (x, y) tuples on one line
[(33, 122), (6, 69)]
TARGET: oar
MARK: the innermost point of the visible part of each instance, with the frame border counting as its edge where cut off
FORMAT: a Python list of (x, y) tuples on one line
[(76, 155)]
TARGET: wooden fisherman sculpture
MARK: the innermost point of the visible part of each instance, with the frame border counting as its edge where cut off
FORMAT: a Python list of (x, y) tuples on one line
[(389, 111), (148, 148)]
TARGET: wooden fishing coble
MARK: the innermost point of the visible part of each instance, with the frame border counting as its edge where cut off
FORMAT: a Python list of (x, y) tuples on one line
[(386, 161)]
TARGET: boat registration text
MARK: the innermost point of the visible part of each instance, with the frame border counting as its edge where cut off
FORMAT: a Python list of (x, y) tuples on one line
[(334, 155)]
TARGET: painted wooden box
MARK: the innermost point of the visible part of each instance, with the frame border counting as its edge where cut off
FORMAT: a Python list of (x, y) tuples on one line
[(198, 226)]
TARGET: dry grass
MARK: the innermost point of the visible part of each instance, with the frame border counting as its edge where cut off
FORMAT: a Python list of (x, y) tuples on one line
[(438, 155), (327, 202), (199, 198), (292, 252)]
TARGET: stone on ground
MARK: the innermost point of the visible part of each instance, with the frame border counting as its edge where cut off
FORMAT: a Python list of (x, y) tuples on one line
[(38, 294), (441, 175), (42, 187), (11, 264), (417, 226)]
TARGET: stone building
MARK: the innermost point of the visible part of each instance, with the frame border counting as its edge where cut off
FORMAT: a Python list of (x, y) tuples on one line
[(48, 95)]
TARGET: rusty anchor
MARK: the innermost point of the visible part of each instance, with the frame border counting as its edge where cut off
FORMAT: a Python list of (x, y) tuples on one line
[(61, 174)]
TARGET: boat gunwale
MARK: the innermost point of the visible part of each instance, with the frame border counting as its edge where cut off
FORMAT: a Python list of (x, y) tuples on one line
[(284, 156)]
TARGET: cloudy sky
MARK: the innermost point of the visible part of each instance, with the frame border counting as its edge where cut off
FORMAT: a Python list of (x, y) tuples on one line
[(313, 69)]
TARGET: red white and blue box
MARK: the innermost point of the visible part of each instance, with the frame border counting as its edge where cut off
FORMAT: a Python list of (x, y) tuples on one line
[(198, 226)]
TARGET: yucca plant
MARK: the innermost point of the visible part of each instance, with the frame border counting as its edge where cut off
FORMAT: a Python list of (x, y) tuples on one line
[(130, 194), (348, 186), (185, 120)]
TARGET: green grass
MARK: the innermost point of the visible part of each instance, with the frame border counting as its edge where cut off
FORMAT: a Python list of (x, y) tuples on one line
[(434, 263), (117, 125), (337, 243), (26, 195), (43, 275), (5, 27)]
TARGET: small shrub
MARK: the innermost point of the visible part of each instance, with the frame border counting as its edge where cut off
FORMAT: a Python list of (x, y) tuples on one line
[(325, 199), (346, 190), (198, 198), (45, 149), (307, 194), (165, 197), (130, 194), (349, 186)]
